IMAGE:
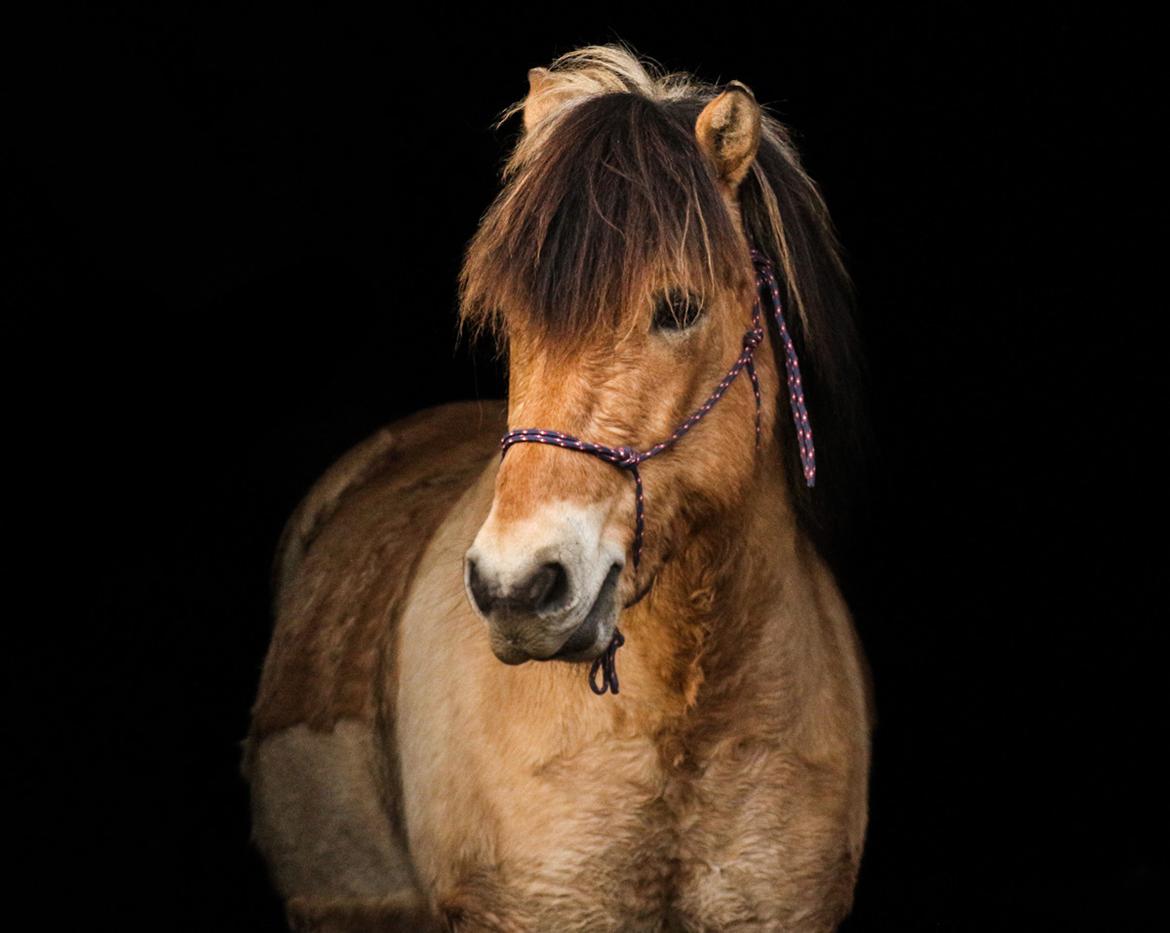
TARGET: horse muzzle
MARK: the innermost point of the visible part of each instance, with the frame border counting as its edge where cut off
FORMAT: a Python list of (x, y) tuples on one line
[(548, 613)]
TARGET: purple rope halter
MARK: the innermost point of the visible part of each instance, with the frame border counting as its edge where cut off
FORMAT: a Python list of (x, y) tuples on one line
[(627, 458)]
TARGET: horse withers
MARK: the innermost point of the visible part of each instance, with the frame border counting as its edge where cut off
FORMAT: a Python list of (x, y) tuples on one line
[(428, 749)]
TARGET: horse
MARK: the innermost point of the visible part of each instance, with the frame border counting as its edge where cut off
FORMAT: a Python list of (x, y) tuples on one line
[(575, 661)]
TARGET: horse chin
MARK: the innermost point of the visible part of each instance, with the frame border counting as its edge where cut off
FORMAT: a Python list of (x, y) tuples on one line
[(588, 640)]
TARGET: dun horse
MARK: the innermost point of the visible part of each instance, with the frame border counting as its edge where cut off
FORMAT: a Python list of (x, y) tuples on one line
[(428, 748)]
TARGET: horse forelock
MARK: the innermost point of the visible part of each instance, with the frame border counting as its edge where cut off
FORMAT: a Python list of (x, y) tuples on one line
[(611, 203)]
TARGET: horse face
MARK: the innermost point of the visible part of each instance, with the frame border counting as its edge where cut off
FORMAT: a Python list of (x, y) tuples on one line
[(552, 565)]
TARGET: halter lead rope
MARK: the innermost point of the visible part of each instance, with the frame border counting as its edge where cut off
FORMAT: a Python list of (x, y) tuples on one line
[(627, 458)]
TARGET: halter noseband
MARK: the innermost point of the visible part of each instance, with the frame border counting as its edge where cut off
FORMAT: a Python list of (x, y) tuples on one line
[(627, 458)]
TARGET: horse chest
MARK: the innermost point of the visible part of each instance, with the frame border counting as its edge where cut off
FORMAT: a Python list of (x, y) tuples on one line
[(616, 841)]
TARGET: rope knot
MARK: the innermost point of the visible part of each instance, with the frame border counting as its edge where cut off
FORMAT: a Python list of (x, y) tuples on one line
[(626, 457), (753, 338)]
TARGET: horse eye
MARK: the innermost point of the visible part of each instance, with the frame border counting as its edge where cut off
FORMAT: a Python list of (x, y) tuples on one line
[(677, 310)]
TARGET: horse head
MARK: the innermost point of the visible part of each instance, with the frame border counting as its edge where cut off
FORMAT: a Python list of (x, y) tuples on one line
[(615, 267)]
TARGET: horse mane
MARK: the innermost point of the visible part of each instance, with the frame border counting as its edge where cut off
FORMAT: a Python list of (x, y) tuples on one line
[(609, 198)]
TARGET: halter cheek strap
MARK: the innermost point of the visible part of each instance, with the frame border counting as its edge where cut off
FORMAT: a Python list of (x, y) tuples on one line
[(628, 458)]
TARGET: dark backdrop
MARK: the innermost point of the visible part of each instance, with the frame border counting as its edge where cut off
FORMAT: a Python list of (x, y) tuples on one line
[(244, 231)]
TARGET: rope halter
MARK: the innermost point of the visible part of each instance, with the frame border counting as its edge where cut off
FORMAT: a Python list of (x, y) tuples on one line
[(630, 459)]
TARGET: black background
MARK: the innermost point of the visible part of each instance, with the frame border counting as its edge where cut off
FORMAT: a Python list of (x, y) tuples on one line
[(244, 230)]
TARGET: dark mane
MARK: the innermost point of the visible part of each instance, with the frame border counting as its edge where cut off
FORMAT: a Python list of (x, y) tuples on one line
[(614, 191)]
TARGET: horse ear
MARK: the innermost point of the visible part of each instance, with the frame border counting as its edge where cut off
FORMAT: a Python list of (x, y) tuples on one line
[(542, 98), (728, 131)]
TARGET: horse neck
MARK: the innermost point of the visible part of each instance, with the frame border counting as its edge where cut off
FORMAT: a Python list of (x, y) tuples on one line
[(711, 600)]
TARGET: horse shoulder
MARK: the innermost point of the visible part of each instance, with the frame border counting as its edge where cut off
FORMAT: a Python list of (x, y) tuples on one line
[(321, 768), (347, 555)]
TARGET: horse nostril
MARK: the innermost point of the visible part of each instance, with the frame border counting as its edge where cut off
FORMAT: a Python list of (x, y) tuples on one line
[(479, 590), (548, 588), (545, 590)]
